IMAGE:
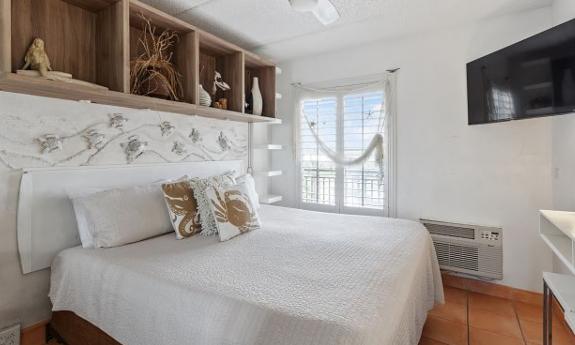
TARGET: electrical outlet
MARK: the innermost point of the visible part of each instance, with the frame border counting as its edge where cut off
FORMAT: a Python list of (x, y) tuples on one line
[(10, 336)]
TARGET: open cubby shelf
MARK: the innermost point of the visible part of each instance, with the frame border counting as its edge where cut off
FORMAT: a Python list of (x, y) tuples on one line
[(95, 40)]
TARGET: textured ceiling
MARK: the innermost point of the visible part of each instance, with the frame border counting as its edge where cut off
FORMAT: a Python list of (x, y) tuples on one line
[(272, 27)]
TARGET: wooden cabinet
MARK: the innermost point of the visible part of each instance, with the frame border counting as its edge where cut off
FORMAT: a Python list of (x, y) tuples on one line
[(94, 40)]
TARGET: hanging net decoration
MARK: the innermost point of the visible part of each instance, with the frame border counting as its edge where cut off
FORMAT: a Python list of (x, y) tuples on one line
[(376, 147)]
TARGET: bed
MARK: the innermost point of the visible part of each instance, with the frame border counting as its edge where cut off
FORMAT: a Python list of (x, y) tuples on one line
[(305, 278)]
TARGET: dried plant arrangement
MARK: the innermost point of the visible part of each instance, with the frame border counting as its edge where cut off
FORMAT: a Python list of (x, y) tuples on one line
[(152, 73)]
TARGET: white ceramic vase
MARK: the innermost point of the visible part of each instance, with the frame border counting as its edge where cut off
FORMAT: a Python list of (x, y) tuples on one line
[(205, 98), (257, 101)]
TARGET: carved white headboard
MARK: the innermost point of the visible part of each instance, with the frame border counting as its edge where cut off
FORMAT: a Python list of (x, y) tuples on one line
[(46, 220)]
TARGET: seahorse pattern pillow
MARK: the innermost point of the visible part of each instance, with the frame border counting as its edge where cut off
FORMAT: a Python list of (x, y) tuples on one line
[(182, 207), (120, 216), (199, 186), (233, 210)]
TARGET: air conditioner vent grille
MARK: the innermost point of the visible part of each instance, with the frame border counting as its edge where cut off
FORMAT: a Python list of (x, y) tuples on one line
[(469, 249), (453, 255), (450, 230)]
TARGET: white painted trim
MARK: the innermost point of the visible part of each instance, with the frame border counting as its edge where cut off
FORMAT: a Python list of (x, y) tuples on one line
[(24, 222), (391, 152), (128, 166)]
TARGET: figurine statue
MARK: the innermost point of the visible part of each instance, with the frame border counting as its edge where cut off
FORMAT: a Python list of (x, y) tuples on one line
[(37, 59), (219, 83)]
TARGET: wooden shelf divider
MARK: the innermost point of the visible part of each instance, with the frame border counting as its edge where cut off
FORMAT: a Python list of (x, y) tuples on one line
[(112, 46), (100, 37), (187, 57), (5, 35)]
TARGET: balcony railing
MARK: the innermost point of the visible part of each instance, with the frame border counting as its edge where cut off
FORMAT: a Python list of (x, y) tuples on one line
[(361, 188)]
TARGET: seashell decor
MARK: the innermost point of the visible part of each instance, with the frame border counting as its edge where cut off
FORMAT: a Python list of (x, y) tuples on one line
[(69, 133)]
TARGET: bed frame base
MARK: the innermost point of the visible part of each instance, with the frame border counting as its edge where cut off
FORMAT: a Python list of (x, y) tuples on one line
[(71, 329)]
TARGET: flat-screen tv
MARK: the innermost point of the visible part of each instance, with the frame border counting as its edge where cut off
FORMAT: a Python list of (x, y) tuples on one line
[(531, 78)]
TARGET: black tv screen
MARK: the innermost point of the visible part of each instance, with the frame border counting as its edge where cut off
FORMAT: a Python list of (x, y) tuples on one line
[(532, 78)]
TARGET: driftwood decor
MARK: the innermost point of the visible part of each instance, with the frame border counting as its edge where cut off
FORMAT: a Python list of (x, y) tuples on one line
[(152, 73)]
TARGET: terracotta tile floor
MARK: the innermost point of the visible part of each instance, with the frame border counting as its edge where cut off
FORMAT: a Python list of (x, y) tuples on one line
[(475, 319)]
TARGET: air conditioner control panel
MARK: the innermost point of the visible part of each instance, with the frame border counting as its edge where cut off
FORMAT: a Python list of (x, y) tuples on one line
[(492, 236)]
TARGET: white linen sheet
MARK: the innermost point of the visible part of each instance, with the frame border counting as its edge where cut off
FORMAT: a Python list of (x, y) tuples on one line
[(305, 278)]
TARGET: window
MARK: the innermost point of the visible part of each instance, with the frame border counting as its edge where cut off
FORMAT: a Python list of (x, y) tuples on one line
[(318, 171), (346, 123)]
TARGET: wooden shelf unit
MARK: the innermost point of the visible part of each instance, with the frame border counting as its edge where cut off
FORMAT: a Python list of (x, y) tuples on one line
[(94, 40), (266, 74), (229, 62), (84, 38)]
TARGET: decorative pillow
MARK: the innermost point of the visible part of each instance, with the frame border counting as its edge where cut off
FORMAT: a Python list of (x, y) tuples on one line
[(121, 216), (199, 186), (233, 210), (183, 207), (251, 185)]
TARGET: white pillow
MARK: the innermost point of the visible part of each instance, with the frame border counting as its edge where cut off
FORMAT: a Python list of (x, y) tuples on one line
[(251, 189), (120, 216), (86, 238)]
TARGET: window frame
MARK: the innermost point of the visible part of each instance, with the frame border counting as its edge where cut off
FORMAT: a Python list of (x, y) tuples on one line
[(389, 208)]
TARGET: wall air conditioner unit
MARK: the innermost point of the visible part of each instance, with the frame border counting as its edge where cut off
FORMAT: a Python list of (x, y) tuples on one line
[(470, 249)]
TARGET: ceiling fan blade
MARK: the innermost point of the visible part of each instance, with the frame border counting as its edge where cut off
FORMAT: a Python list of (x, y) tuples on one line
[(304, 5), (326, 12), (323, 10)]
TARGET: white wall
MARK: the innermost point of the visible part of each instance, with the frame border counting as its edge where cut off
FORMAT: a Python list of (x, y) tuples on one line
[(563, 134), (496, 174), (24, 298)]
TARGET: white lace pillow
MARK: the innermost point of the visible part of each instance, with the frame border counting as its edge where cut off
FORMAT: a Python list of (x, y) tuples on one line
[(232, 209), (200, 185)]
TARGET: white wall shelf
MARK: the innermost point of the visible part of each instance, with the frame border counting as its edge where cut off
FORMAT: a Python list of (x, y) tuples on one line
[(270, 173), (271, 199), (269, 147), (557, 229)]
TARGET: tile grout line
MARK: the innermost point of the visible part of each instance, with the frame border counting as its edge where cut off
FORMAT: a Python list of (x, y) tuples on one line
[(513, 302), (468, 328)]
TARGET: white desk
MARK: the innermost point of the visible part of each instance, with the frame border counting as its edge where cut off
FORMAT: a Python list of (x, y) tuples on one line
[(557, 229), (562, 287)]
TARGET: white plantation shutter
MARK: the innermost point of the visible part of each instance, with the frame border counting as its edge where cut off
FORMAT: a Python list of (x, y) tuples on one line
[(346, 123), (317, 170), (361, 114)]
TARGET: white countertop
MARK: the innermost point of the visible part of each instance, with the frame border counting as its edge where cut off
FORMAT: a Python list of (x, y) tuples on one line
[(563, 220)]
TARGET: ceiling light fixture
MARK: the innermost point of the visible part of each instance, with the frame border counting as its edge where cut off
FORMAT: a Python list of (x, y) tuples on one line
[(323, 10)]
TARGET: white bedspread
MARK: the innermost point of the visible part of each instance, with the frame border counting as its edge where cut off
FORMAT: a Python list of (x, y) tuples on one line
[(306, 278)]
